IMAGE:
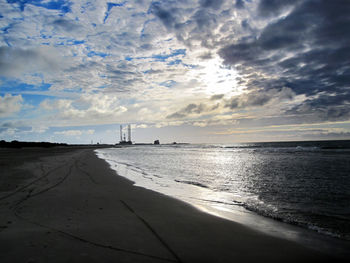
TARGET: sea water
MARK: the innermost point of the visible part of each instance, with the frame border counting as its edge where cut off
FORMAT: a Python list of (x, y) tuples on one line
[(299, 183)]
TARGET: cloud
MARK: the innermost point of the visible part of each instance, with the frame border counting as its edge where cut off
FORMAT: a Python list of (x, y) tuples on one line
[(13, 128), (70, 133), (206, 55), (14, 62), (39, 129), (314, 109), (215, 4), (75, 132), (306, 51), (274, 7), (167, 16), (88, 108), (239, 4), (10, 105), (195, 25), (217, 97), (197, 63), (66, 25), (139, 126), (9, 125), (260, 98), (188, 110), (168, 123)]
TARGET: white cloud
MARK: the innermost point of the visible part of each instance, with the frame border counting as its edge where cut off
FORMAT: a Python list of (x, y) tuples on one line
[(75, 132), (86, 109), (90, 132), (70, 133), (39, 129), (139, 126), (10, 104)]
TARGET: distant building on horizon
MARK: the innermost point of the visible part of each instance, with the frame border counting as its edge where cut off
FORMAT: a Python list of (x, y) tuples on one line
[(123, 140)]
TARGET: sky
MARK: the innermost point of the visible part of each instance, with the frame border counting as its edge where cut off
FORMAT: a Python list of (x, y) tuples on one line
[(205, 71)]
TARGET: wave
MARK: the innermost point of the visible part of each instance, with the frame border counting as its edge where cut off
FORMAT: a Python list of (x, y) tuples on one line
[(232, 203), (293, 219), (301, 145), (276, 149), (192, 183)]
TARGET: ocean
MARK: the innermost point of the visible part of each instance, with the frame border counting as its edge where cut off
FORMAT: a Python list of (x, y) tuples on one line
[(306, 184)]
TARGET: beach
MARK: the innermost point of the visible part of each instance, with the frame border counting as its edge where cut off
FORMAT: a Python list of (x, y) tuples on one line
[(64, 204)]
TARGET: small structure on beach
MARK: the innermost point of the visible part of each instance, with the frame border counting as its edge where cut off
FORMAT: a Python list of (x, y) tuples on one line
[(123, 140), (156, 142)]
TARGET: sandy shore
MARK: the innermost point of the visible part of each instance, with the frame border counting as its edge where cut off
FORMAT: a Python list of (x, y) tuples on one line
[(66, 205)]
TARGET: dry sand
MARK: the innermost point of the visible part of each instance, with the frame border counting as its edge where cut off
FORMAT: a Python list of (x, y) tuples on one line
[(66, 205)]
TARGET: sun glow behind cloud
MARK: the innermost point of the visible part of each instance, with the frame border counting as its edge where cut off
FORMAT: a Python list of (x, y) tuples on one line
[(215, 78)]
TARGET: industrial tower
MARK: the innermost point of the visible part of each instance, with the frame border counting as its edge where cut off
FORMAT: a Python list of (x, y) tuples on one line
[(123, 140)]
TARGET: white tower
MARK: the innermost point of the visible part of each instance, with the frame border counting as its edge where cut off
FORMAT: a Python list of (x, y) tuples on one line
[(121, 132)]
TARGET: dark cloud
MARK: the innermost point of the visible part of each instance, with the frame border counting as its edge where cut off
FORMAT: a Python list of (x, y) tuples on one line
[(274, 7), (188, 110), (217, 96), (9, 56), (239, 4), (204, 19), (193, 108), (15, 61), (215, 106), (167, 16), (328, 135), (259, 98), (191, 24), (13, 125), (146, 46), (215, 4), (66, 25), (324, 108), (206, 55), (306, 51), (85, 66), (176, 115)]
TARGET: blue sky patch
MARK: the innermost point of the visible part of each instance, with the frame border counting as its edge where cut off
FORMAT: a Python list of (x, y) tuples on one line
[(34, 99), (94, 53), (163, 57), (175, 62), (109, 8), (59, 5), (15, 87), (75, 42), (168, 83), (70, 42), (174, 53)]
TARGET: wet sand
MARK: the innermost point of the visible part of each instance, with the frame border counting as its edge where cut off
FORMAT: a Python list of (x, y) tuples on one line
[(67, 205)]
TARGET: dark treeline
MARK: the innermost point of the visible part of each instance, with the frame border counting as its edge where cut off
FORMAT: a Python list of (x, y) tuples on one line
[(18, 144)]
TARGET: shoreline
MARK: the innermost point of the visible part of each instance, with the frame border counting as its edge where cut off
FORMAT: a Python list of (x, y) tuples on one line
[(312, 239), (68, 205)]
